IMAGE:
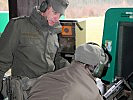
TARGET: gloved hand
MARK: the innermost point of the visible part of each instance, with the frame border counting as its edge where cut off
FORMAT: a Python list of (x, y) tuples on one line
[(124, 95), (1, 96)]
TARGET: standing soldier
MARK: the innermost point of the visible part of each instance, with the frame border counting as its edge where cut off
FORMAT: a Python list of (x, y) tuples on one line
[(28, 46)]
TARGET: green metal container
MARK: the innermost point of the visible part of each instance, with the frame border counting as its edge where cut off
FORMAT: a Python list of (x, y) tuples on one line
[(4, 18), (113, 17)]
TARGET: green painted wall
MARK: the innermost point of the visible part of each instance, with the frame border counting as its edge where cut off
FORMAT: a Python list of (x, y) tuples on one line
[(4, 18)]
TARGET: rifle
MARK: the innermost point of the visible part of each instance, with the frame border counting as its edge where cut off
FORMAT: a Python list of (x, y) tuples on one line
[(117, 88)]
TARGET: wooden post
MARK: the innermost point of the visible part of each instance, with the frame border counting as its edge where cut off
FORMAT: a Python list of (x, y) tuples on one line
[(12, 8)]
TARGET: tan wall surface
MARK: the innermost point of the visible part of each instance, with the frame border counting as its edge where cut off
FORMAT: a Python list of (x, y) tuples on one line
[(92, 30), (81, 34)]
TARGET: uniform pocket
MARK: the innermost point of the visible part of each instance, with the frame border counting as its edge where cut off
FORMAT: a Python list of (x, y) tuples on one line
[(29, 39)]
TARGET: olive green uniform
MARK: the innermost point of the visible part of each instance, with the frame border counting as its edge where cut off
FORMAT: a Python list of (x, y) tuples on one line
[(28, 46)]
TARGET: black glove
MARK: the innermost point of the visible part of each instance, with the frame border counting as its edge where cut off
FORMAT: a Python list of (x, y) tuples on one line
[(1, 97)]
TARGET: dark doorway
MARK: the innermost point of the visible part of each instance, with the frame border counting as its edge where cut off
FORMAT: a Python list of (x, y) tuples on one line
[(125, 50)]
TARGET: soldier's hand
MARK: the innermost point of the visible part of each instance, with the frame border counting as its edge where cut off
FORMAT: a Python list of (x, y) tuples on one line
[(124, 95), (127, 93)]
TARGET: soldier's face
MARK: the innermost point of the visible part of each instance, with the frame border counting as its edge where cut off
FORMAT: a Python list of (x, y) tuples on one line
[(52, 16)]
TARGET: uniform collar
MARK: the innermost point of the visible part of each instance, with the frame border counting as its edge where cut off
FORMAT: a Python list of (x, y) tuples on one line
[(81, 66), (40, 21)]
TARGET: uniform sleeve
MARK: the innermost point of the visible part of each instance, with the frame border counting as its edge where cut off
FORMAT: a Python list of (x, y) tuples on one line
[(8, 42), (60, 62)]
